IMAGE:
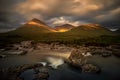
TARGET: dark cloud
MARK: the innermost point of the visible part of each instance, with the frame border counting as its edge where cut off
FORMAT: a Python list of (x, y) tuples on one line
[(8, 17), (106, 12)]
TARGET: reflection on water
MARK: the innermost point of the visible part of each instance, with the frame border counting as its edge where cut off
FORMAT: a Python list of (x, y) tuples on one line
[(54, 62), (31, 58), (110, 66)]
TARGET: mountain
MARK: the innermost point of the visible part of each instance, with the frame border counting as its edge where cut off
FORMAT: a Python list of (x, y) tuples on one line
[(64, 28), (90, 30), (35, 23), (39, 31), (33, 27)]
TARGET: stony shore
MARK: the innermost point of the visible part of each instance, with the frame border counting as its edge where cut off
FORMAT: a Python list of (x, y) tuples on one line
[(28, 46), (77, 58)]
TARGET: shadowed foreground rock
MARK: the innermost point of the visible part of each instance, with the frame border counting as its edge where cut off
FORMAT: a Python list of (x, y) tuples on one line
[(90, 68), (78, 60), (41, 76), (13, 73)]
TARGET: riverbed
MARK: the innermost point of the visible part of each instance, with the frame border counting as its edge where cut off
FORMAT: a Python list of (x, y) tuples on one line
[(110, 66)]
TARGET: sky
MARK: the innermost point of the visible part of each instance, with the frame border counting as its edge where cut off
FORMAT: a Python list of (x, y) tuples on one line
[(14, 13)]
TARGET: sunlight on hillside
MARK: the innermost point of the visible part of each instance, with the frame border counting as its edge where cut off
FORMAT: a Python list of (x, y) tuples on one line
[(40, 25), (92, 25), (62, 30), (33, 23)]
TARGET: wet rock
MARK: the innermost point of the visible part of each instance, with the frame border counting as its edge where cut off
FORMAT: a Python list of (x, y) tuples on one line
[(116, 52), (2, 50), (13, 73), (26, 44), (15, 52), (36, 70), (106, 54), (42, 76), (44, 69), (115, 46), (2, 56), (76, 58), (103, 52), (90, 68)]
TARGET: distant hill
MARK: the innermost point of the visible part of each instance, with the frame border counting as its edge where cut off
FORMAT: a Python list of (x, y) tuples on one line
[(39, 31), (64, 28), (90, 30)]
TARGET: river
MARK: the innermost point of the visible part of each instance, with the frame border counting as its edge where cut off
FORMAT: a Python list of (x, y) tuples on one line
[(110, 66)]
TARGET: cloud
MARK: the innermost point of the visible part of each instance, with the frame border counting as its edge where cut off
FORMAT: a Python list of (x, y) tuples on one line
[(57, 12), (56, 7), (64, 20), (36, 8)]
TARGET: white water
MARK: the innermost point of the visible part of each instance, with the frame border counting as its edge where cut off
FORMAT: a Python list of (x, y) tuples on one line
[(43, 63), (87, 54), (55, 62)]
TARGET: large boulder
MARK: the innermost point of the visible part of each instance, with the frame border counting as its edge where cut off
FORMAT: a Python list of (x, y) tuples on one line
[(79, 60), (76, 58)]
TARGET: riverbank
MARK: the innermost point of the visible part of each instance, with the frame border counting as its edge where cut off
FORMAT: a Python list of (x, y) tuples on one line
[(13, 58)]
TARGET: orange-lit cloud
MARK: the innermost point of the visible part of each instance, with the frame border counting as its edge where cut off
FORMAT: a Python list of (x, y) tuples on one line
[(79, 11), (75, 7)]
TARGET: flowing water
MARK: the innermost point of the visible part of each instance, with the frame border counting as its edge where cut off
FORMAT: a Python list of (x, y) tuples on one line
[(110, 66)]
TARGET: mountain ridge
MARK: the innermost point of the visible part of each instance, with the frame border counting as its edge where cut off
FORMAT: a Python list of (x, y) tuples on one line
[(64, 27), (38, 30)]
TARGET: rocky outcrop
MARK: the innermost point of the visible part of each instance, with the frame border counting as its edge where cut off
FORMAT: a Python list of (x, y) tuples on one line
[(76, 58), (79, 60)]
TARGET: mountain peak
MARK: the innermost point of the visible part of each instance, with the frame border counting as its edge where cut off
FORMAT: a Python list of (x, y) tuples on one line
[(64, 27), (35, 21)]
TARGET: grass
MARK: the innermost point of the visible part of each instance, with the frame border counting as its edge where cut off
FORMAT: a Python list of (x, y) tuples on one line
[(74, 36)]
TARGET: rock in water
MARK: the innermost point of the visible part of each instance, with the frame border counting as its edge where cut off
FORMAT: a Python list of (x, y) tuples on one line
[(106, 54), (42, 76), (76, 58), (90, 68)]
